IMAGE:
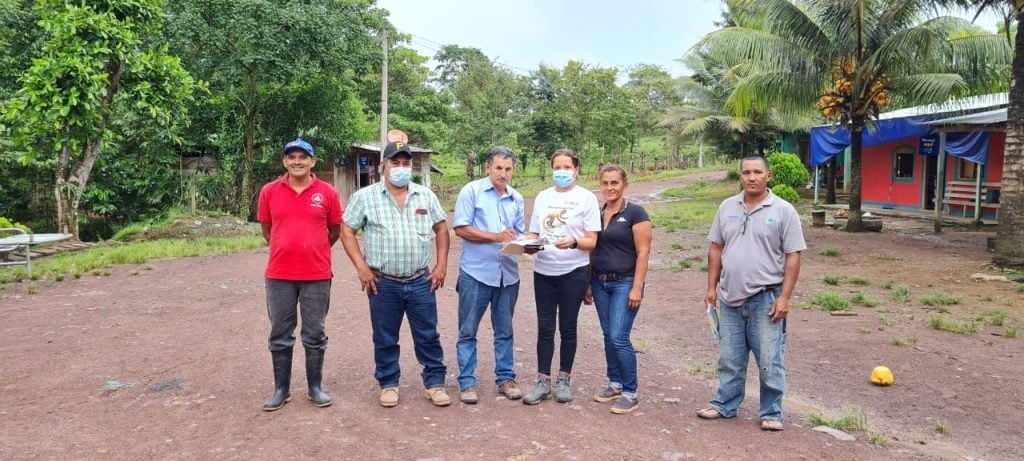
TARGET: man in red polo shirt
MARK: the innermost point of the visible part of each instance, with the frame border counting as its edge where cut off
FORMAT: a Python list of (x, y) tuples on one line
[(301, 219)]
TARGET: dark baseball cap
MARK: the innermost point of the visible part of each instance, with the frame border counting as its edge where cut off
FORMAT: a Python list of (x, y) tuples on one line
[(300, 144), (395, 148)]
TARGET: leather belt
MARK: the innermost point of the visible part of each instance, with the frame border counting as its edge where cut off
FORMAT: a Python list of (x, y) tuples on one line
[(393, 278), (612, 276)]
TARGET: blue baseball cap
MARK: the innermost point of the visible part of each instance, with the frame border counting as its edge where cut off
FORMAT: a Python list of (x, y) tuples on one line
[(299, 143)]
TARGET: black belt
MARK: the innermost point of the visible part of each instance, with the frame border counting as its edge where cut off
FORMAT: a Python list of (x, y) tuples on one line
[(613, 276), (771, 287), (393, 278)]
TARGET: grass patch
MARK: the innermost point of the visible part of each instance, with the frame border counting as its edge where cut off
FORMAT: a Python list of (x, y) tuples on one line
[(940, 427), (944, 323), (878, 440), (711, 373), (1020, 288), (859, 281), (830, 301), (901, 293), (695, 369), (703, 267), (886, 320), (940, 299), (829, 251), (1010, 333), (676, 246), (865, 330), (830, 280), (886, 284), (995, 318), (701, 200), (850, 420), (904, 340), (682, 265), (32, 289), (863, 299), (99, 258)]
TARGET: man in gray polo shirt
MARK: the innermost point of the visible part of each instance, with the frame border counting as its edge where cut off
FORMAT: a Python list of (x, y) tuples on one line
[(753, 264)]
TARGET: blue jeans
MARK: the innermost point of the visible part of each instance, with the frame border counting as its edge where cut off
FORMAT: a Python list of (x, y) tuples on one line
[(745, 329), (474, 297), (612, 302), (415, 300)]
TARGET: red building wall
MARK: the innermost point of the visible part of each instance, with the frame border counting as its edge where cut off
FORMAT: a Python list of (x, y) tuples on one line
[(877, 184)]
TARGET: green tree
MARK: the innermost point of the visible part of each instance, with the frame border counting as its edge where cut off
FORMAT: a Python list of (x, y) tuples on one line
[(255, 51), (94, 70), (853, 58), (1009, 249), (490, 104), (704, 114)]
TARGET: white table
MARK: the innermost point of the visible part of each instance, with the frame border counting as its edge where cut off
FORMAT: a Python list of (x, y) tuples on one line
[(25, 240)]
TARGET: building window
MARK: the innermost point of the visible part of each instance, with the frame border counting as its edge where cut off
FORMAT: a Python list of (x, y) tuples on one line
[(903, 163), (967, 169)]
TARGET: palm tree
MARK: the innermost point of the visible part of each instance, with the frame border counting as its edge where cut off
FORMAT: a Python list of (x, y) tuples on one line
[(704, 110), (850, 59), (1009, 251)]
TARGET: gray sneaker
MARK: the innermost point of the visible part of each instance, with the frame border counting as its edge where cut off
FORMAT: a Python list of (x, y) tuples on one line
[(540, 391), (625, 405), (608, 394), (563, 390)]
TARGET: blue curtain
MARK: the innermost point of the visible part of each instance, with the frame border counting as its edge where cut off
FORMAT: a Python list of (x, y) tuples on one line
[(827, 142)]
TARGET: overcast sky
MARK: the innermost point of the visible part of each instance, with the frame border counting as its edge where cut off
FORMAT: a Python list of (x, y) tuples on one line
[(524, 33)]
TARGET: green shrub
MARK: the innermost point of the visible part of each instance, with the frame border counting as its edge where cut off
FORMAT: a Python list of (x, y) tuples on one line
[(830, 280), (732, 175), (787, 169), (4, 222), (786, 193)]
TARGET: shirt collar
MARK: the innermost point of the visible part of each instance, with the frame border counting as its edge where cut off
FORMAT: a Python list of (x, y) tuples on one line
[(625, 203), (284, 179), (768, 201)]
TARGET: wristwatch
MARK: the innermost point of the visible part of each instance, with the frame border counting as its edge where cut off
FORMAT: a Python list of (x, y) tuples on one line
[(575, 243)]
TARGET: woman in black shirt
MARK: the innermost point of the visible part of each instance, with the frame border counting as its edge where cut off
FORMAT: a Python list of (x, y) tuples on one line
[(619, 267)]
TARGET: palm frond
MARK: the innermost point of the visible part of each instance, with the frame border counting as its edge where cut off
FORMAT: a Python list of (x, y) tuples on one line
[(918, 89)]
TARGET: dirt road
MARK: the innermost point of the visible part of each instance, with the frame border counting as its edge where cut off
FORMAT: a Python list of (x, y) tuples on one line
[(172, 364)]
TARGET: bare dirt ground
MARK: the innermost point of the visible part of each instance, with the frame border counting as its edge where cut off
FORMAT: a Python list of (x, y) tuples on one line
[(172, 364)]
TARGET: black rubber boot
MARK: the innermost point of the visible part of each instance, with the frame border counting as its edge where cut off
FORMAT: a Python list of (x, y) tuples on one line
[(282, 380), (314, 375)]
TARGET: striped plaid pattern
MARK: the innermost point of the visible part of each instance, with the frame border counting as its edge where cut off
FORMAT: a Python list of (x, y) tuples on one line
[(395, 242)]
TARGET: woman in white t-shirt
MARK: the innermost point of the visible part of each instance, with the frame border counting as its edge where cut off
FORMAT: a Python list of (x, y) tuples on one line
[(567, 218)]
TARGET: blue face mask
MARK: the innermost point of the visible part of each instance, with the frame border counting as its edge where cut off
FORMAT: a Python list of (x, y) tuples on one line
[(563, 178), (400, 176)]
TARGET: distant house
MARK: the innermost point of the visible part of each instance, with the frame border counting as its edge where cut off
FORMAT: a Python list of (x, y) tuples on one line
[(360, 168), (905, 151)]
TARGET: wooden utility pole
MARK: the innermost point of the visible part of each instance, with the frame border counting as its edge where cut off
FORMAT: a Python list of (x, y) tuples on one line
[(384, 93)]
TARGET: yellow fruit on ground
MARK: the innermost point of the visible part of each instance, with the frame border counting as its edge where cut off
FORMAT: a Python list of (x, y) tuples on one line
[(881, 376)]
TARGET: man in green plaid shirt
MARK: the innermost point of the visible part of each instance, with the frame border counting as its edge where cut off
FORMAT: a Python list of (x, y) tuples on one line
[(399, 220)]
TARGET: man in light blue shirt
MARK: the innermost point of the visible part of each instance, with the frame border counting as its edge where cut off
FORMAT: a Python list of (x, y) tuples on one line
[(488, 213)]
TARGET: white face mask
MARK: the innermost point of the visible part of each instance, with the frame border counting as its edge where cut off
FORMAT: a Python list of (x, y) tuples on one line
[(400, 176)]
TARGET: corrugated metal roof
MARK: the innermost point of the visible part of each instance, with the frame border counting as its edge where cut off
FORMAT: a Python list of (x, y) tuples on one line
[(376, 148), (981, 118), (967, 104)]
